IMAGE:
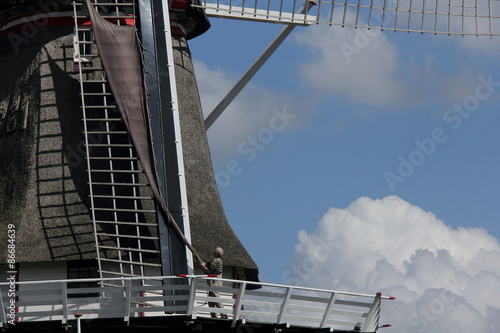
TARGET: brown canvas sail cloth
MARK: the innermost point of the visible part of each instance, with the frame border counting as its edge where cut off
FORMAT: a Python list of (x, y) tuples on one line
[(121, 58)]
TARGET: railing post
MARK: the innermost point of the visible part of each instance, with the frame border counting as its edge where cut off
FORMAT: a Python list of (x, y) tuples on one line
[(288, 294), (64, 294), (128, 291), (329, 307), (237, 303), (192, 295), (78, 323), (373, 316)]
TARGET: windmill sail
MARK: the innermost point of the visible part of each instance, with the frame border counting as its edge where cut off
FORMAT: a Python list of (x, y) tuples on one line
[(452, 17)]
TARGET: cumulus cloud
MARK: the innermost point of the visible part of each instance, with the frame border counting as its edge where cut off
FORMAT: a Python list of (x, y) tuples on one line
[(387, 70), (360, 64), (254, 110), (445, 279)]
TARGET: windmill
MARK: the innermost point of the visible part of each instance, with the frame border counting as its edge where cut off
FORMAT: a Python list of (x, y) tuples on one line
[(81, 181)]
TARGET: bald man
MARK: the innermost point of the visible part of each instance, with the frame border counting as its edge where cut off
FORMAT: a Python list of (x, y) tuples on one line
[(215, 267)]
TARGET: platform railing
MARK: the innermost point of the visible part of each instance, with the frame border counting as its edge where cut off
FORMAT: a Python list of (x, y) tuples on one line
[(241, 302)]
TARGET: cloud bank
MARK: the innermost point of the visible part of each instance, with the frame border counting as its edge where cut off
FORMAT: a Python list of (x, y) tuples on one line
[(444, 279)]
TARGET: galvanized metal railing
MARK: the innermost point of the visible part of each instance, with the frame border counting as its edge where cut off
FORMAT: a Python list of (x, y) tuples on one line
[(56, 300)]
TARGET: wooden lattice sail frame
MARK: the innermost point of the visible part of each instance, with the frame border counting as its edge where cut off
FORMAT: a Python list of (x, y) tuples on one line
[(452, 17)]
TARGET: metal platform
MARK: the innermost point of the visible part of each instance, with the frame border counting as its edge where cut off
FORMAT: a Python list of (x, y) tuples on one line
[(174, 296)]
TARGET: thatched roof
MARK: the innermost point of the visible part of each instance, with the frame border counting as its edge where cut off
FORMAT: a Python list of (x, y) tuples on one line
[(40, 191), (43, 180)]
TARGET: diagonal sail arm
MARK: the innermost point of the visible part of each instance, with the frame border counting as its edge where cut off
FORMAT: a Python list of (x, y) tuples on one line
[(452, 17), (261, 60)]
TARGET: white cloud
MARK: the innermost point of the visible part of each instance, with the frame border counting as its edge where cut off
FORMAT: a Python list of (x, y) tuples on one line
[(444, 279), (359, 63), (388, 70), (479, 46), (249, 114)]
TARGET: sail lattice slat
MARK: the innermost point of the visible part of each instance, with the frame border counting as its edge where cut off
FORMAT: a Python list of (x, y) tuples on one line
[(453, 17)]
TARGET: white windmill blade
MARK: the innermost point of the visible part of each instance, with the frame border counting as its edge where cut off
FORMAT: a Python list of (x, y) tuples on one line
[(453, 17)]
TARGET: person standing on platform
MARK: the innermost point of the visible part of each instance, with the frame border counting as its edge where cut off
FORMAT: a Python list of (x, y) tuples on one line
[(215, 267)]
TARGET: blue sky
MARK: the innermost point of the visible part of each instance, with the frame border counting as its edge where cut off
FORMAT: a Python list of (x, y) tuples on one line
[(403, 129)]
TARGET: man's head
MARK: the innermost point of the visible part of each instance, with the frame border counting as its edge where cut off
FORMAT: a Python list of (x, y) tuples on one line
[(218, 252)]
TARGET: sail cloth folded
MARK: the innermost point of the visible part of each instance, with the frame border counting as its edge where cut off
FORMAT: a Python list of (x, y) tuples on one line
[(121, 58)]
